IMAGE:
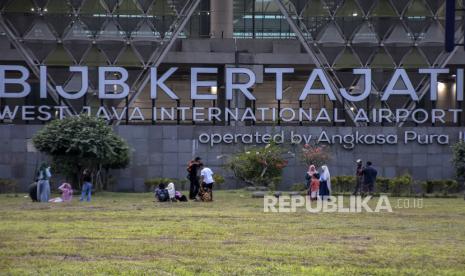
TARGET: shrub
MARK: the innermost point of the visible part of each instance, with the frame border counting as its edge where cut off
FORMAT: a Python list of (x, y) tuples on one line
[(152, 183), (382, 185), (396, 186), (219, 179), (444, 187), (342, 184), (259, 166), (400, 185), (7, 186), (298, 187)]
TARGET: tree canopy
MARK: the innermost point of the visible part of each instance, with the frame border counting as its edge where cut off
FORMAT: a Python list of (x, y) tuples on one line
[(82, 142)]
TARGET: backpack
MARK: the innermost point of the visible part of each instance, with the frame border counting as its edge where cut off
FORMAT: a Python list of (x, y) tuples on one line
[(189, 166), (162, 195)]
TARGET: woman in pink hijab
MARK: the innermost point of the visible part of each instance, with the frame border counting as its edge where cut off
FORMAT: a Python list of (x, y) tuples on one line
[(66, 192), (308, 176)]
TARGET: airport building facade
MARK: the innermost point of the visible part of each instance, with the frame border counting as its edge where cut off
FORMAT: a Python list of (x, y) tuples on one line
[(185, 78)]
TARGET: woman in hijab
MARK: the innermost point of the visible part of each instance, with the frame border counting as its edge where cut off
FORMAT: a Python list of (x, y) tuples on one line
[(308, 175), (43, 183), (175, 195), (325, 183), (171, 191)]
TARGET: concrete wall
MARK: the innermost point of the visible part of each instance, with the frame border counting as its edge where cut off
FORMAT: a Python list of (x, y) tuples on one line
[(165, 150)]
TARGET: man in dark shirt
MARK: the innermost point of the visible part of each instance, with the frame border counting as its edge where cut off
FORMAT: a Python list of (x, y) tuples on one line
[(193, 170), (369, 178)]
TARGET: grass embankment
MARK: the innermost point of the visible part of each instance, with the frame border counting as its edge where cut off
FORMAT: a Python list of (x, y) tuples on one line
[(130, 234)]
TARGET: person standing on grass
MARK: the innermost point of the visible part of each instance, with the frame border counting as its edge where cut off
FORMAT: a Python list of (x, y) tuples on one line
[(193, 175), (358, 177), (43, 183), (86, 189), (325, 183), (314, 186), (369, 178), (206, 175), (309, 174)]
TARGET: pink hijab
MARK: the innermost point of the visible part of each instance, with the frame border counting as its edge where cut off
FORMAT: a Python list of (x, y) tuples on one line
[(311, 170)]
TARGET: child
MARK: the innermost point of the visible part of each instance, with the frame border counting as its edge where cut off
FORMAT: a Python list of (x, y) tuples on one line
[(314, 186), (66, 192), (86, 188)]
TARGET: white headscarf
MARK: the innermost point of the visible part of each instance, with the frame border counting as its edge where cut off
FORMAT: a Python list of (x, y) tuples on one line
[(171, 190), (327, 176)]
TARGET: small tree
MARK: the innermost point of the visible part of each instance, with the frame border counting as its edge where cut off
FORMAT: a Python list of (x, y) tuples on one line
[(317, 155), (82, 142), (259, 166)]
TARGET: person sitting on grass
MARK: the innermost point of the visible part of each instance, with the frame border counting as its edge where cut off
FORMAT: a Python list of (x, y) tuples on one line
[(161, 193), (86, 189), (175, 195), (66, 192)]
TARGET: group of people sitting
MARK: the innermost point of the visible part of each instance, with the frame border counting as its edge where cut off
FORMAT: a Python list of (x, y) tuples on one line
[(201, 184), (168, 193), (318, 185)]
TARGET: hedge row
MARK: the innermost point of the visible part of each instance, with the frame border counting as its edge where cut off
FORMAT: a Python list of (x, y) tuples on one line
[(7, 186), (402, 185)]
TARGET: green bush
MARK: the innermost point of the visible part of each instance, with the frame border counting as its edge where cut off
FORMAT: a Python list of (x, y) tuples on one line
[(298, 187), (444, 187), (396, 186), (219, 180), (7, 186), (401, 185), (342, 184), (152, 183), (259, 166), (382, 185)]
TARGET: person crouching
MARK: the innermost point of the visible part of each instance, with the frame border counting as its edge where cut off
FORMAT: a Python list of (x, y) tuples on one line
[(206, 188)]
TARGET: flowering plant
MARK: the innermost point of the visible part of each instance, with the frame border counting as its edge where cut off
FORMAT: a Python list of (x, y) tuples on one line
[(317, 155)]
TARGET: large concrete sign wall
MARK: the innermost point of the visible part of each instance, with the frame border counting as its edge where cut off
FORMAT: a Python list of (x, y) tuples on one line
[(163, 151)]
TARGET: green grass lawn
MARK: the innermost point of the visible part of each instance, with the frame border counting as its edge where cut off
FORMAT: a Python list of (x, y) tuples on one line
[(130, 234)]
